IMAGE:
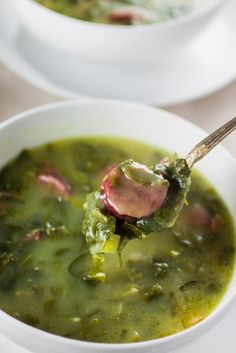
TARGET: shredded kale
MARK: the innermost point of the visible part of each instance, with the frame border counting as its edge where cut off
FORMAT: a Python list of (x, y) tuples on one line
[(178, 175), (141, 175), (99, 230), (98, 226)]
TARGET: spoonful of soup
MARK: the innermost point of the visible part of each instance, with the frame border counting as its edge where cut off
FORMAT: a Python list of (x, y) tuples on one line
[(136, 200), (135, 192)]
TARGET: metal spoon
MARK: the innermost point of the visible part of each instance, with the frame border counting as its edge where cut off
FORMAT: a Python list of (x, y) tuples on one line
[(206, 145)]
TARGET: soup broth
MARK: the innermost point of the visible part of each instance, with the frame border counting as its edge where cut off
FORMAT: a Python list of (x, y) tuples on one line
[(161, 285), (124, 11)]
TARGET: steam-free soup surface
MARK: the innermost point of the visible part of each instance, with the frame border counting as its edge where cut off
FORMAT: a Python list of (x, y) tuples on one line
[(164, 284), (128, 12)]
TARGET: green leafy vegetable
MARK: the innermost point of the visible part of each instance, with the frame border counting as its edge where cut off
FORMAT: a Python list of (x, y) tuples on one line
[(98, 226), (99, 230), (88, 267), (178, 175)]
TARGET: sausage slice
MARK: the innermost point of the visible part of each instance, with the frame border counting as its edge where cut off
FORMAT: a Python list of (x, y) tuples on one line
[(131, 190)]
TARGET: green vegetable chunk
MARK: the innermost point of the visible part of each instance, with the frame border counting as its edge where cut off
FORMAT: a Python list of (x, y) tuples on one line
[(98, 226), (178, 175)]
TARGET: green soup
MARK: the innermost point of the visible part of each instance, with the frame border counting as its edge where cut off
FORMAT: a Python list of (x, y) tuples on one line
[(161, 285), (128, 12)]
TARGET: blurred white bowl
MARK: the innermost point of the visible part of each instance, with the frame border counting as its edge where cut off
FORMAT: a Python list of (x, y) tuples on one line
[(131, 120), (116, 44)]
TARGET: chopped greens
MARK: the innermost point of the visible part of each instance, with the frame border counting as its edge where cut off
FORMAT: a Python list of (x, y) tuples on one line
[(98, 226), (99, 230), (178, 175)]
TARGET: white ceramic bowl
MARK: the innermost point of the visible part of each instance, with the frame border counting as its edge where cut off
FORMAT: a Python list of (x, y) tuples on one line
[(157, 127), (116, 44)]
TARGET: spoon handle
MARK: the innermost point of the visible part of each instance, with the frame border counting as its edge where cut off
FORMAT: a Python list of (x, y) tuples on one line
[(206, 145)]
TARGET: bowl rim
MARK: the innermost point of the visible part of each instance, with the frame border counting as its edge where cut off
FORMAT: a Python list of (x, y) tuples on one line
[(117, 346), (175, 22)]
